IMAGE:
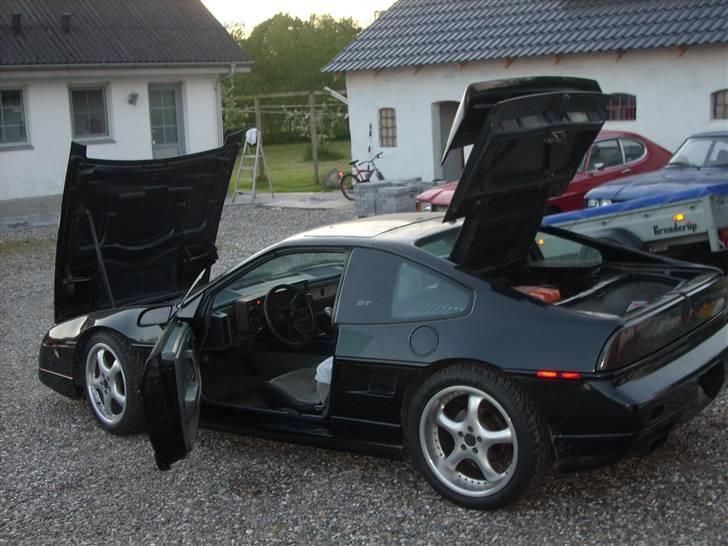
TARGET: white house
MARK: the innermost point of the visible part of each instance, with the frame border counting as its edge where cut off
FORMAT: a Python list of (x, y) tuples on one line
[(130, 79), (666, 61)]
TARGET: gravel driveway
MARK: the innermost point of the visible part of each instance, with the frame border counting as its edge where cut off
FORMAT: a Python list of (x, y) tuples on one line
[(65, 480)]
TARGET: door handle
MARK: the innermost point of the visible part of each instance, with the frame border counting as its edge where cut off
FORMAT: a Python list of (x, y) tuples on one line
[(626, 171)]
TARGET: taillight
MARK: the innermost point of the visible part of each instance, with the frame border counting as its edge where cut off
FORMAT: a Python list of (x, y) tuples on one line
[(723, 236), (550, 374)]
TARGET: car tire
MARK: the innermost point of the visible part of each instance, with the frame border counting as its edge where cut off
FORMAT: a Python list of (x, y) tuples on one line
[(111, 372), (477, 437)]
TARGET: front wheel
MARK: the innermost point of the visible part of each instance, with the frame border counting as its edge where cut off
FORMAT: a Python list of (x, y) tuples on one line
[(346, 184), (476, 436), (112, 372)]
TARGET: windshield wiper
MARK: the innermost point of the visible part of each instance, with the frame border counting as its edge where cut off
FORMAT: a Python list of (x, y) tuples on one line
[(683, 164)]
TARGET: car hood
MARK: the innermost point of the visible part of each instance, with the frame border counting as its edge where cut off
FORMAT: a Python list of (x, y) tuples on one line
[(529, 136), (439, 195), (666, 180), (137, 231)]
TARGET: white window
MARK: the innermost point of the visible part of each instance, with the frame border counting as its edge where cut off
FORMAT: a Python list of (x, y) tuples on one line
[(387, 128), (622, 107), (13, 129), (89, 114), (720, 104)]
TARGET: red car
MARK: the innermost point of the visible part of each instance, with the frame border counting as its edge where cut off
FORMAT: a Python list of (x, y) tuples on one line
[(614, 154)]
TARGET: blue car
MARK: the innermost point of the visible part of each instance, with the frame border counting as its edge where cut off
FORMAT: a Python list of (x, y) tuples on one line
[(701, 162)]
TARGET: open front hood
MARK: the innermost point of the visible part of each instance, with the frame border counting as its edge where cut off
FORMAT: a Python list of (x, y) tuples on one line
[(529, 136), (137, 231)]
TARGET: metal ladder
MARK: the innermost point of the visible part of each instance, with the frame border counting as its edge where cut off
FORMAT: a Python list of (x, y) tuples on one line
[(258, 161)]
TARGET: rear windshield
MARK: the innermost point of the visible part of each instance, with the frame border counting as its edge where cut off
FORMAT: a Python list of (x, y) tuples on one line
[(549, 250)]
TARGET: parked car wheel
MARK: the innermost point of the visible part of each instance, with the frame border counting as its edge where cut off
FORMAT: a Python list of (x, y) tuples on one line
[(112, 372), (476, 436)]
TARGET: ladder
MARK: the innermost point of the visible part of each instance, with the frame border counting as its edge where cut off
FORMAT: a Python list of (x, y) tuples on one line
[(258, 162)]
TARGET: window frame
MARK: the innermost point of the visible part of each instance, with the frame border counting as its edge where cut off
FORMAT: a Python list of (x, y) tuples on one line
[(96, 138), (620, 108), (714, 96), (624, 154), (383, 115), (591, 150), (19, 145), (392, 321)]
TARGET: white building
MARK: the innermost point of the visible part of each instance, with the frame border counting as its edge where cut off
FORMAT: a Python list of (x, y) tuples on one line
[(666, 60), (131, 80)]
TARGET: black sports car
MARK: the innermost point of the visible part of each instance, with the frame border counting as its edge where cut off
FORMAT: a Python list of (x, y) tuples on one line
[(480, 343)]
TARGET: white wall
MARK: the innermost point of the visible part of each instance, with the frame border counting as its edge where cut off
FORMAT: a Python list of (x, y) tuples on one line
[(41, 170), (673, 97)]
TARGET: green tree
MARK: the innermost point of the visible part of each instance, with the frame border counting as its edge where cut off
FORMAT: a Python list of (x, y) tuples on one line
[(288, 53)]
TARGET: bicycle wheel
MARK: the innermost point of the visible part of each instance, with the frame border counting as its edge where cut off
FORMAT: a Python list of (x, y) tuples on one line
[(346, 184)]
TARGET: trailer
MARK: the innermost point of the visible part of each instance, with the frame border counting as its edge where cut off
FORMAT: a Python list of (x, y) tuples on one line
[(690, 224)]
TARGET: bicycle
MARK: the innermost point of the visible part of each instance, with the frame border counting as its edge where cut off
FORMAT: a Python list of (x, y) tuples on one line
[(359, 175)]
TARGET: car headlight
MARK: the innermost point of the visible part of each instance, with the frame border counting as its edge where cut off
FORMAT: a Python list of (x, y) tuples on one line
[(425, 206), (591, 203)]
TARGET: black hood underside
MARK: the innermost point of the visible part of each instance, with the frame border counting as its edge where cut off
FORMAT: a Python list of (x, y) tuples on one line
[(529, 136), (137, 231)]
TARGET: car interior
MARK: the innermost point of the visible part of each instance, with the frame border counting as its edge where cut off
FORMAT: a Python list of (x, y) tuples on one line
[(270, 341)]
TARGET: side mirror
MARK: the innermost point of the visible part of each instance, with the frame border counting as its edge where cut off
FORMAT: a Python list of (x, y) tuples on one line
[(599, 166), (156, 316)]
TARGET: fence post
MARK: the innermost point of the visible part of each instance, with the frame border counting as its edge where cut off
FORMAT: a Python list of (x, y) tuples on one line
[(314, 139)]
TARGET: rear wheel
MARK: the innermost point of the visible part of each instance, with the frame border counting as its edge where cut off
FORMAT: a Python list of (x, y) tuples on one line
[(112, 372), (476, 437), (346, 184)]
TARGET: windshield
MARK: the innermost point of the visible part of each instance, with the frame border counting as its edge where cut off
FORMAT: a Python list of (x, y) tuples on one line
[(702, 152)]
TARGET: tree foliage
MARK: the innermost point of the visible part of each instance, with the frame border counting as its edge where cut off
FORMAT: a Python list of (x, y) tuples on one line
[(288, 53)]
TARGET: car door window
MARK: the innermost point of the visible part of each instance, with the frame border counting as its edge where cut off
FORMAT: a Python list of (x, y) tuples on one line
[(605, 154), (633, 149), (380, 287)]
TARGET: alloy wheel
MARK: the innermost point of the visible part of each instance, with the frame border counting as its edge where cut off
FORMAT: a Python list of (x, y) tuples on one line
[(468, 440), (105, 383)]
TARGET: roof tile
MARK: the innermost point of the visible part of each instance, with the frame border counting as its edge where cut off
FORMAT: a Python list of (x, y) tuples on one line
[(114, 32), (419, 32)]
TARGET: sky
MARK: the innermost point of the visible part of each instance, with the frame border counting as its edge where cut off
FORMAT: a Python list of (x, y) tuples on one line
[(253, 12)]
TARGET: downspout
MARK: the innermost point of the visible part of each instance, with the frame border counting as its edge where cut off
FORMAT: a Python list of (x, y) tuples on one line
[(218, 92)]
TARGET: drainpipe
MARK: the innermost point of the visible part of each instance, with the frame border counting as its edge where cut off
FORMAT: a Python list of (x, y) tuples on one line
[(218, 92)]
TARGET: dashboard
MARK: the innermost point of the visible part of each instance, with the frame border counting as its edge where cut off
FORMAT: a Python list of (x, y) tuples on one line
[(238, 312)]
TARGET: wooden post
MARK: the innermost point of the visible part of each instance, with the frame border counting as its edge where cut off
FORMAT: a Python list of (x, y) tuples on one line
[(258, 126), (314, 138)]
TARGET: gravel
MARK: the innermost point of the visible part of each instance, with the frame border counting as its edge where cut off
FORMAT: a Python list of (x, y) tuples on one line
[(65, 480)]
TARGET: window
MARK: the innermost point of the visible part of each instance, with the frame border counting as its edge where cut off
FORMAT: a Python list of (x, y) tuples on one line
[(294, 267), (384, 288), (88, 112), (604, 154), (720, 104), (557, 252), (633, 149), (12, 117), (387, 128), (622, 107), (701, 152)]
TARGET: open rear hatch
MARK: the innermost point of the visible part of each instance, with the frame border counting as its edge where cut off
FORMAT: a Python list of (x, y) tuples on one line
[(529, 136), (137, 231)]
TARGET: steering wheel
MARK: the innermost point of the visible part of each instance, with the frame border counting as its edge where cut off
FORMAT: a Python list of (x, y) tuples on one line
[(293, 323)]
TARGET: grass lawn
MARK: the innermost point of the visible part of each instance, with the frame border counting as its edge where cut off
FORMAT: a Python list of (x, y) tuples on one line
[(288, 170)]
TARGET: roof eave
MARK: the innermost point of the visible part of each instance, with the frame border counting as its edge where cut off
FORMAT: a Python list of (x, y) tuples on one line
[(97, 66)]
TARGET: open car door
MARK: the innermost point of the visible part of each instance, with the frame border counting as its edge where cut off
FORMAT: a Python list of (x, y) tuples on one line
[(172, 388)]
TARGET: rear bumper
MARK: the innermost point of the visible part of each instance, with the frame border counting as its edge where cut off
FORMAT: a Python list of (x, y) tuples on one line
[(598, 421)]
